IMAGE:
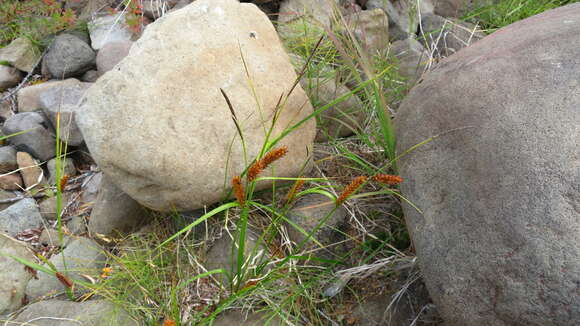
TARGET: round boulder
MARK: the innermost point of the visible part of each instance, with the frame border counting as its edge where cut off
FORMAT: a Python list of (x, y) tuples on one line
[(68, 56), (498, 235), (164, 132)]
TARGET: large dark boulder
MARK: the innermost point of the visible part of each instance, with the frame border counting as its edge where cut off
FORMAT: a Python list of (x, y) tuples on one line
[(498, 237)]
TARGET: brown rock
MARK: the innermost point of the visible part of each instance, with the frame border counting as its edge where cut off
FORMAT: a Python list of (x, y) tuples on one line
[(11, 181), (32, 174)]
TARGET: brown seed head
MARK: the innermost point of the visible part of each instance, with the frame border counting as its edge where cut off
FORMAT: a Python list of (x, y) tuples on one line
[(238, 190), (63, 182), (64, 280), (350, 189), (388, 179), (262, 164)]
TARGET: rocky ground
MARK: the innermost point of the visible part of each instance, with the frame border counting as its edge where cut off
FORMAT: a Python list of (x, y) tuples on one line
[(189, 162)]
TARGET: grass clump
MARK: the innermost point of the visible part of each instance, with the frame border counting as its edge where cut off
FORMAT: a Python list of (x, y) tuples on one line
[(505, 12)]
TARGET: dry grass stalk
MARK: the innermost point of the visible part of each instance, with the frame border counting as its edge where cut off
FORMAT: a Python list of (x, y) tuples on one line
[(294, 190), (350, 189)]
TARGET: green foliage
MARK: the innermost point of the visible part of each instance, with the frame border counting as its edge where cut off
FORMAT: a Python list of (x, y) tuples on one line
[(34, 19), (506, 12)]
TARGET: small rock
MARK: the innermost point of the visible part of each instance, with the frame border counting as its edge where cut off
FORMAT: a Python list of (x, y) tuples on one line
[(220, 255), (82, 256), (29, 97), (446, 37), (11, 181), (67, 165), (77, 225), (90, 188), (111, 28), (64, 99), (68, 56), (239, 318), (111, 54), (31, 172), (6, 107), (340, 120), (90, 76), (62, 313), (21, 54), (20, 216), (370, 27), (4, 195), (7, 159), (9, 77), (411, 59), (114, 211), (308, 213), (403, 15), (47, 207), (13, 276), (50, 237), (38, 139), (316, 12)]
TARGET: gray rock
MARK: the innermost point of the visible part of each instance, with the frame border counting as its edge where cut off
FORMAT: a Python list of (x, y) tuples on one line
[(68, 56), (64, 99), (21, 54), (20, 216), (314, 212), (411, 58), (82, 256), (90, 188), (5, 195), (445, 37), (239, 318), (7, 159), (66, 313), (499, 188), (404, 15), (9, 77), (120, 119), (47, 207), (341, 120), (29, 97), (90, 76), (110, 28), (67, 166), (111, 54), (224, 254), (13, 276), (77, 225), (115, 212), (39, 138), (457, 8), (50, 237), (297, 13)]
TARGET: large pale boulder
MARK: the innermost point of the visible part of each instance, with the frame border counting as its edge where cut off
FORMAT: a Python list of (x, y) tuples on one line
[(499, 235), (164, 133)]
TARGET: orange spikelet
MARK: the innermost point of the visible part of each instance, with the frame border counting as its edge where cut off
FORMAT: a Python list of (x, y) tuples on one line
[(388, 179), (63, 182), (169, 322), (274, 155), (64, 280), (238, 190), (350, 189), (262, 164), (294, 190)]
